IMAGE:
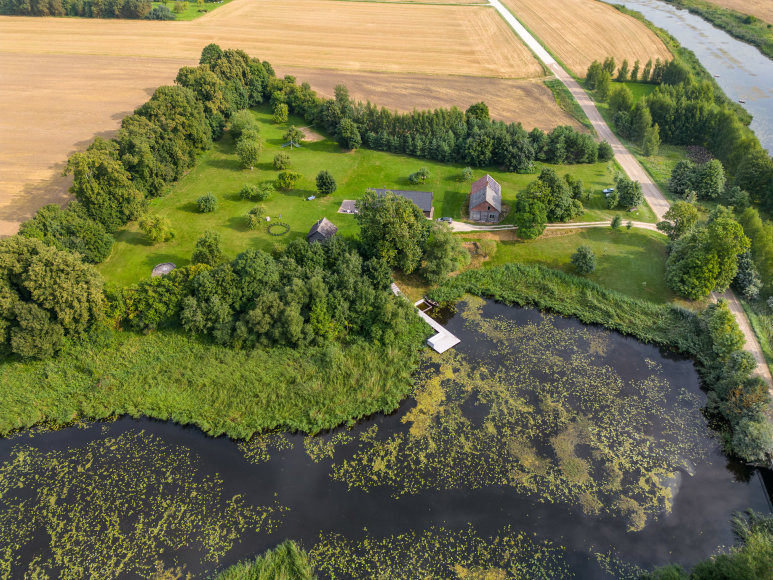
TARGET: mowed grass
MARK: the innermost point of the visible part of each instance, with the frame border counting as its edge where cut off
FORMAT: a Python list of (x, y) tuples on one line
[(192, 9), (220, 173), (629, 261)]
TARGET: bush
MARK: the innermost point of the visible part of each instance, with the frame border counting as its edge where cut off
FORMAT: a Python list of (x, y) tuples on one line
[(486, 248), (287, 180), (325, 183), (208, 250), (160, 13), (280, 113), (156, 228), (241, 121), (254, 216), (753, 439), (257, 192), (605, 152), (616, 222), (584, 260), (206, 203), (420, 176), (248, 150), (281, 161)]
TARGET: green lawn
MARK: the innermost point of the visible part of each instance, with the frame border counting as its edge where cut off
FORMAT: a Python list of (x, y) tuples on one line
[(218, 171), (628, 261), (192, 10)]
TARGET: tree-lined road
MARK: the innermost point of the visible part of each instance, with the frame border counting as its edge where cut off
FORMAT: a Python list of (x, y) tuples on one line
[(634, 170)]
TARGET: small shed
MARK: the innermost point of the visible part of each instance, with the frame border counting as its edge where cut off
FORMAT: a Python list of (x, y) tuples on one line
[(485, 200), (322, 230)]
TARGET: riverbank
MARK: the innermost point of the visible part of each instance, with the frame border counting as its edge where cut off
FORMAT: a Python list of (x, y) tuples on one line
[(745, 27), (170, 375)]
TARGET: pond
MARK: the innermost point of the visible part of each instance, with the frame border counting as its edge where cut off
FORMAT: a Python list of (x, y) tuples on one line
[(742, 71), (537, 448)]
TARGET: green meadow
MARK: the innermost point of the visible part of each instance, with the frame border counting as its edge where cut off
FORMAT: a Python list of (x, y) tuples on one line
[(220, 173)]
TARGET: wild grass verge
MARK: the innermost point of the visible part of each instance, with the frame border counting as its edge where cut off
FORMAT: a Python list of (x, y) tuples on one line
[(169, 375)]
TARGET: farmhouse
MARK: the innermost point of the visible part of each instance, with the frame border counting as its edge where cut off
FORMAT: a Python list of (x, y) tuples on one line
[(423, 199), (485, 200), (323, 230)]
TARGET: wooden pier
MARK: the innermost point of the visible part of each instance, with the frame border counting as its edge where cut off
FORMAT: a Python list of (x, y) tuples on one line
[(441, 341)]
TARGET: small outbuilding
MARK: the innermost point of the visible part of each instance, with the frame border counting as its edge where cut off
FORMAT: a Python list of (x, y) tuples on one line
[(423, 199), (485, 200), (323, 230), (163, 269)]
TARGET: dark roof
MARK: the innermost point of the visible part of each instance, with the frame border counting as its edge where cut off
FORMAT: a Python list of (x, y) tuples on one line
[(488, 190), (421, 198), (324, 227)]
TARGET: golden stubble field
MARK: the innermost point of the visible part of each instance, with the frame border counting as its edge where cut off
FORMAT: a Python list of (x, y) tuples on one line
[(581, 31), (65, 80), (762, 9)]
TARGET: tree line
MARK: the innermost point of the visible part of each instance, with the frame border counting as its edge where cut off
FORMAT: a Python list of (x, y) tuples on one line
[(683, 111), (131, 9), (469, 137)]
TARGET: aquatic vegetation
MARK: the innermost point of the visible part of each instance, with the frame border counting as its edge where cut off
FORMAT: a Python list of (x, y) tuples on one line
[(541, 409), (440, 553), (320, 447), (260, 447), (117, 507)]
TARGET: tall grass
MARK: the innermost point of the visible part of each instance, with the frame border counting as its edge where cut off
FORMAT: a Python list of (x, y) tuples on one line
[(172, 376), (285, 562), (568, 295)]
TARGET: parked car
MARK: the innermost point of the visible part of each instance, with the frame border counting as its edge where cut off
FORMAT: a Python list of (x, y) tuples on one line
[(447, 220), (608, 190), (311, 198)]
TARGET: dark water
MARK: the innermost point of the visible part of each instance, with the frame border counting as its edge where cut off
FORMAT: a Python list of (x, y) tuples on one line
[(744, 72), (697, 525)]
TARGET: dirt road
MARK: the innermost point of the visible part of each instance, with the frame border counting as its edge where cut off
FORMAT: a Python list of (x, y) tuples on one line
[(635, 171)]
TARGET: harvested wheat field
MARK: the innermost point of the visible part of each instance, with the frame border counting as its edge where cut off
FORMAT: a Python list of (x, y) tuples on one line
[(762, 9), (511, 100), (581, 31), (427, 39), (65, 80), (54, 105)]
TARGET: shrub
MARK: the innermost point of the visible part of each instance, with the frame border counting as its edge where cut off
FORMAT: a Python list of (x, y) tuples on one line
[(257, 192), (487, 248), (208, 250), (280, 113), (420, 176), (160, 13), (584, 260), (325, 183), (753, 439), (616, 222), (281, 161), (156, 228), (605, 151), (287, 179), (466, 174), (241, 121), (206, 203), (254, 217), (248, 150)]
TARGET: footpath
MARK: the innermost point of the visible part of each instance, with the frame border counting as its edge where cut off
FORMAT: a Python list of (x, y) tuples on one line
[(634, 170)]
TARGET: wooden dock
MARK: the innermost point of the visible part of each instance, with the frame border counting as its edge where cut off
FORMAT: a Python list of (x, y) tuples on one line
[(441, 341)]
